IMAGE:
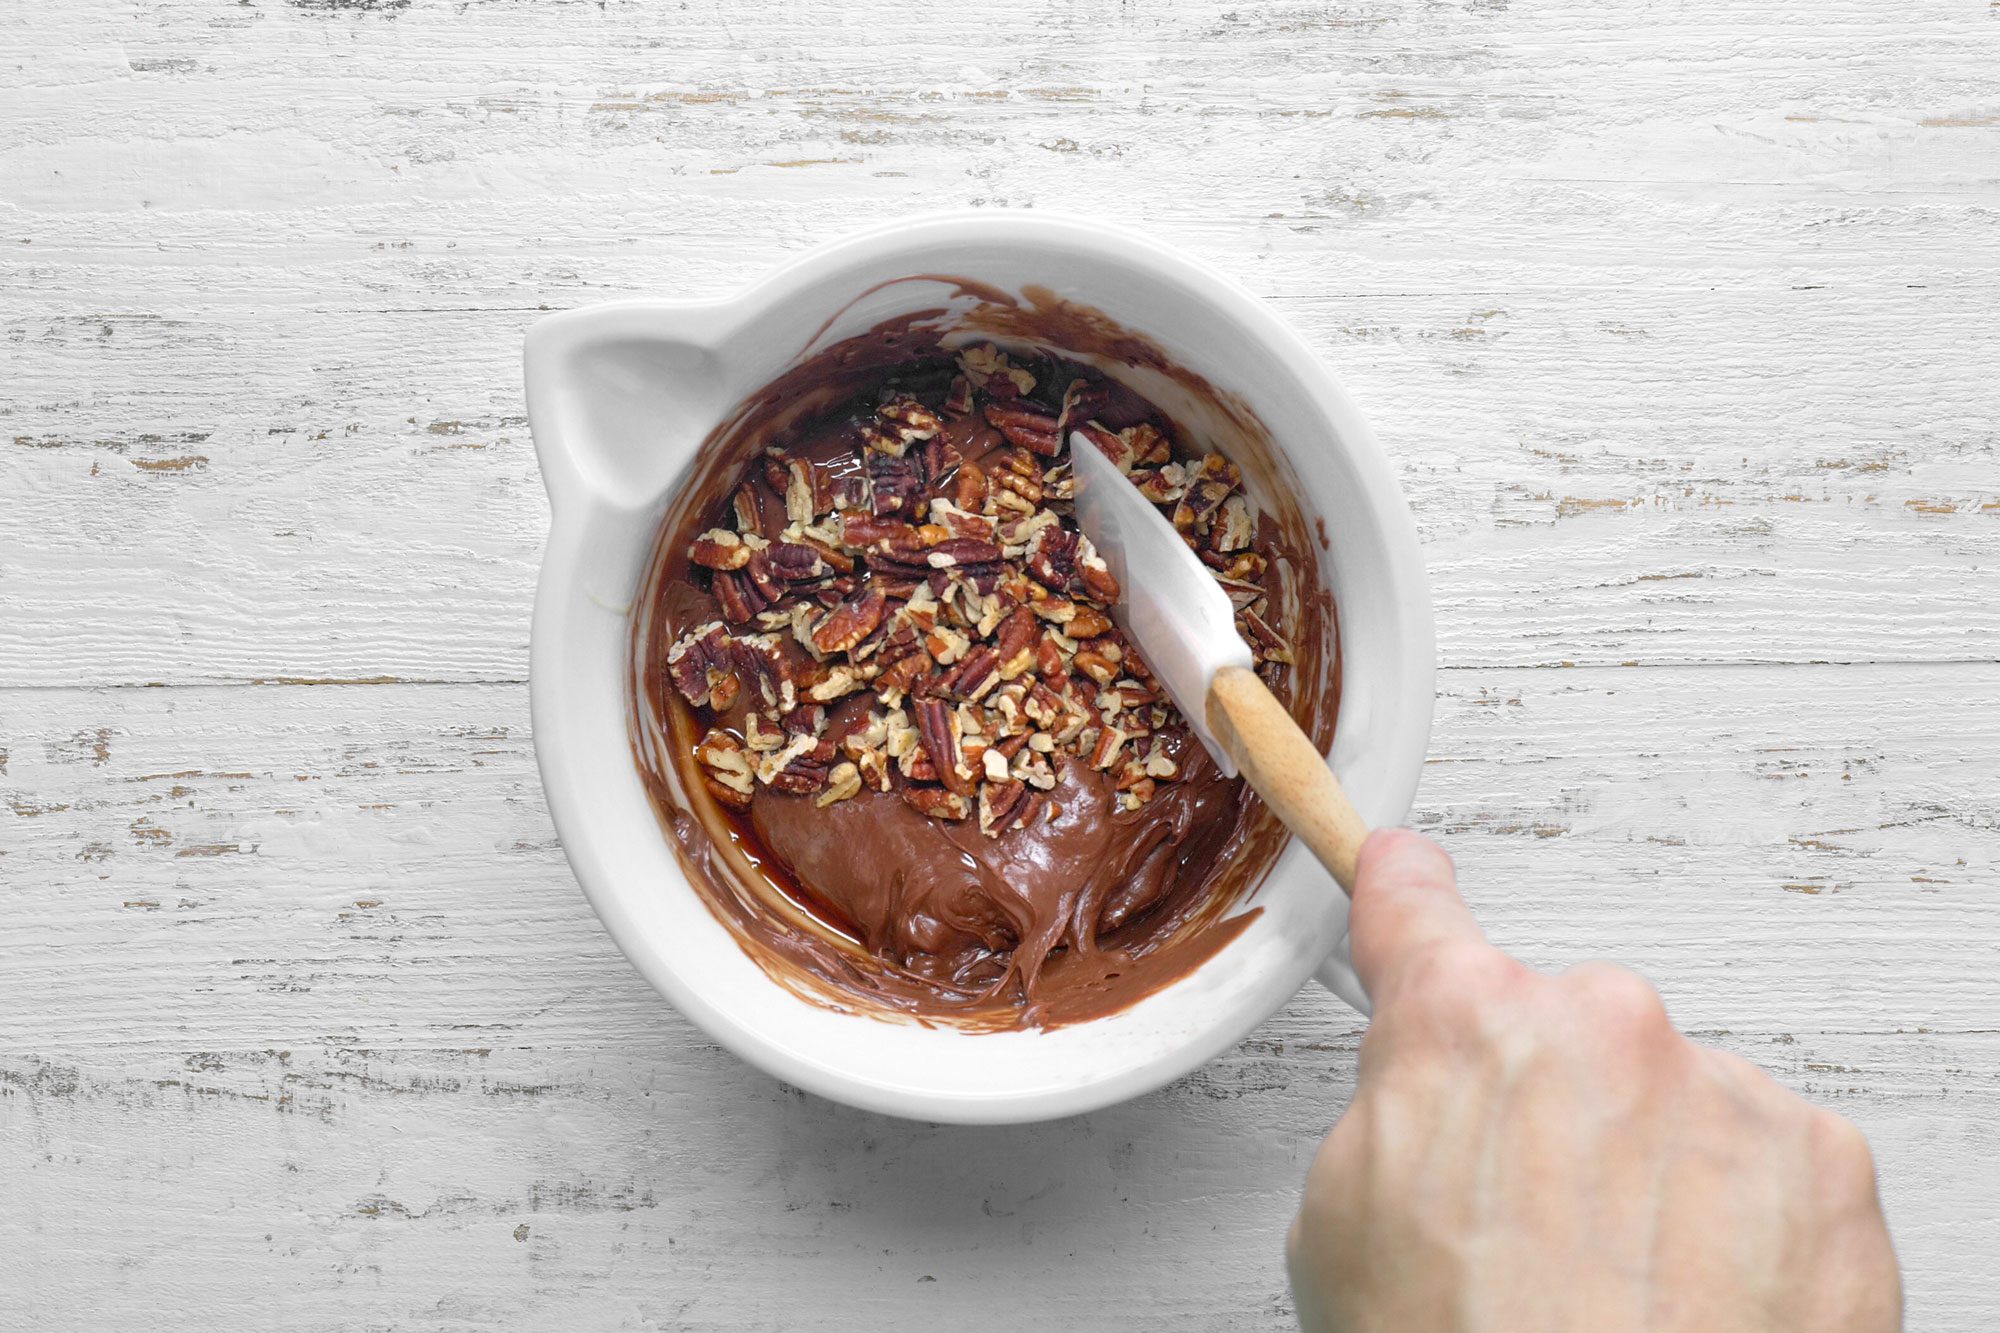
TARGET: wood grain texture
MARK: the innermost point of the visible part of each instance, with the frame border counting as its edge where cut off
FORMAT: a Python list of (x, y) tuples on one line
[(1677, 320)]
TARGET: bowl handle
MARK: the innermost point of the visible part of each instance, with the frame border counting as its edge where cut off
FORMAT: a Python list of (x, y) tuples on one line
[(619, 397)]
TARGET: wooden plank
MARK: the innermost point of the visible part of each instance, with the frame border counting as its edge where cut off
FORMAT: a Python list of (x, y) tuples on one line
[(1669, 375), (1579, 503)]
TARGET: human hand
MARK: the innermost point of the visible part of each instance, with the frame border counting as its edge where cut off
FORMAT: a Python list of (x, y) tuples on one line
[(1526, 1152)]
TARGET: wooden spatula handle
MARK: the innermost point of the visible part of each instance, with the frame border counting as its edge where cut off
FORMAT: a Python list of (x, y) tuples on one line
[(1286, 769)]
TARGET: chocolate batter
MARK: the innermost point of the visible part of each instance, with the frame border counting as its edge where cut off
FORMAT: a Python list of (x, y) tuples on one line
[(969, 896)]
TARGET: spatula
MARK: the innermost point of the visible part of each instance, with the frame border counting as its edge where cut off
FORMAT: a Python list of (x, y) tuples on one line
[(1181, 621)]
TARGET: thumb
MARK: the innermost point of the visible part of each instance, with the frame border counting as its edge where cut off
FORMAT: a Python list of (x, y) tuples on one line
[(1405, 902)]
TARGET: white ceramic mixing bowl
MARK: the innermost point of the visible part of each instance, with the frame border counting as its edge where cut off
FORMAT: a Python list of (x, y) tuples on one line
[(620, 395)]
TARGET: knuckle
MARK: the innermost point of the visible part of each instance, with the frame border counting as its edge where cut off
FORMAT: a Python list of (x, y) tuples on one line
[(1451, 977), (1841, 1150), (1620, 999)]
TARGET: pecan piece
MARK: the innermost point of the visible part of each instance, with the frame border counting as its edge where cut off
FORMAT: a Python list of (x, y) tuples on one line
[(738, 599), (1020, 475), (842, 783), (976, 673), (1161, 485), (958, 398), (941, 458), (869, 530), (902, 675), (899, 423), (803, 491), (969, 487), (1232, 528), (1018, 635), (939, 727), (719, 548), (1052, 558), (693, 657), (1087, 623), (727, 771), (962, 551), (743, 506), (1270, 646), (897, 483), (989, 368), (795, 562), (937, 802), (850, 622), (1026, 425), (1003, 806)]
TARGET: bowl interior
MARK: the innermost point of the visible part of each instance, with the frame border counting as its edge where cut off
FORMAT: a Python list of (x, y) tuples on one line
[(632, 390)]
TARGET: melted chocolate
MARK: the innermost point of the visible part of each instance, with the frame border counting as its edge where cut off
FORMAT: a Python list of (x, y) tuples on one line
[(867, 905)]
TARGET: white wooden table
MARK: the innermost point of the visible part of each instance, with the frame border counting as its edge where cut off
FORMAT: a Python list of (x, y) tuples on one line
[(1679, 320)]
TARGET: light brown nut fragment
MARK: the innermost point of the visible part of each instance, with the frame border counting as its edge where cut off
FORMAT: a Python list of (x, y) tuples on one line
[(801, 494), (1016, 647), (1269, 645), (1109, 741), (719, 548), (727, 770), (850, 622), (743, 507), (1233, 529), (842, 783), (937, 802), (1096, 665), (1087, 623), (939, 726)]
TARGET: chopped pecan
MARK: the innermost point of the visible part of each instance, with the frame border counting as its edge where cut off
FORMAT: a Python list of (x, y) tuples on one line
[(941, 459), (1019, 633), (869, 530), (743, 506), (962, 551), (959, 522), (1096, 665), (991, 369), (764, 578), (693, 657), (739, 601), (1161, 485), (1026, 425), (795, 562), (843, 782), (850, 622), (1002, 806), (897, 483), (728, 771), (902, 675), (937, 802), (1097, 580), (976, 673), (1087, 623), (958, 398), (899, 423), (1232, 529), (1269, 645), (939, 727), (969, 487), (1109, 741), (803, 491), (1020, 475), (719, 548), (1052, 558), (1050, 661)]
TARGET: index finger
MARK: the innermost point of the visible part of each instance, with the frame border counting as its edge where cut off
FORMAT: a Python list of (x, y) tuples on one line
[(1405, 902)]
